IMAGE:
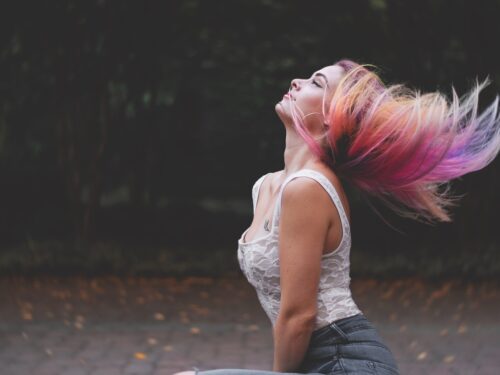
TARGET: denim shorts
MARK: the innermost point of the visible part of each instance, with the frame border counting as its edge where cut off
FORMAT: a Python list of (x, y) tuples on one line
[(349, 345)]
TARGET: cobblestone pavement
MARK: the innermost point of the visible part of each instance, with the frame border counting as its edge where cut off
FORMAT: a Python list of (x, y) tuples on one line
[(130, 325)]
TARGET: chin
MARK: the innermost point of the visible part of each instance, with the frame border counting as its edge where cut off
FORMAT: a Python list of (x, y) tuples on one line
[(279, 108), (281, 112)]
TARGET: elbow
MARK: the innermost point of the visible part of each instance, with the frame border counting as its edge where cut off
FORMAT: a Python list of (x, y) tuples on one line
[(304, 319)]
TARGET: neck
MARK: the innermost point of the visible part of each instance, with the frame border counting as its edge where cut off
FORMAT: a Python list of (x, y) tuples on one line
[(297, 154)]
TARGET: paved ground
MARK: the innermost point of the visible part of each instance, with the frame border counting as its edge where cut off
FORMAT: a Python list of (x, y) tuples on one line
[(162, 325)]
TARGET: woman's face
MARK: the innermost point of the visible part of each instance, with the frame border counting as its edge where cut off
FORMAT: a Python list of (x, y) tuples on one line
[(307, 95)]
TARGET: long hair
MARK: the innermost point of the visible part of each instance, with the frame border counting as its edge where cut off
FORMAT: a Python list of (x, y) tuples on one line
[(401, 146)]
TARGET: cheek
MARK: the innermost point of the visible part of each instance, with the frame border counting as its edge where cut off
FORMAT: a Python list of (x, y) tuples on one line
[(312, 103)]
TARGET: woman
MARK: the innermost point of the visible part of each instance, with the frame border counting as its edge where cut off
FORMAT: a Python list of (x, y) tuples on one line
[(390, 142)]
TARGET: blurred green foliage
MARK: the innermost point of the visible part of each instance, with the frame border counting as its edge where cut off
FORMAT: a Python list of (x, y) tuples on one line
[(118, 119)]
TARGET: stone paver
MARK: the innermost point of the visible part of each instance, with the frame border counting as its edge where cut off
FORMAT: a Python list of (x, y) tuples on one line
[(114, 325)]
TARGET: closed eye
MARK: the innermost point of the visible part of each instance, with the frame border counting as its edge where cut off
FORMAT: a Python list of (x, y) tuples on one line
[(316, 83)]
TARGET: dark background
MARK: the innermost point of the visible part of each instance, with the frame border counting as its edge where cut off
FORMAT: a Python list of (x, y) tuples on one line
[(131, 132)]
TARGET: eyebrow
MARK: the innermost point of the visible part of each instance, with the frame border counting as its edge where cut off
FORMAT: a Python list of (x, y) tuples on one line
[(321, 74)]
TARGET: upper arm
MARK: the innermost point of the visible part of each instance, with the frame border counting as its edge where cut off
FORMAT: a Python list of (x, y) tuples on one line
[(303, 226)]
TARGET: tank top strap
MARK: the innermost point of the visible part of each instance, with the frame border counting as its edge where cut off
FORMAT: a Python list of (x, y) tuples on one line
[(324, 182), (256, 190)]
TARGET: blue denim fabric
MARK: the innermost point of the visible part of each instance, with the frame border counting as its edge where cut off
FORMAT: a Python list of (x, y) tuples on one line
[(349, 345)]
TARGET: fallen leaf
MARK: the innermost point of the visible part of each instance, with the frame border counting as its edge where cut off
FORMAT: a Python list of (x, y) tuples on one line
[(140, 355), (462, 329), (204, 295), (422, 356), (253, 327), (159, 316), (449, 359), (27, 315), (140, 300), (80, 318)]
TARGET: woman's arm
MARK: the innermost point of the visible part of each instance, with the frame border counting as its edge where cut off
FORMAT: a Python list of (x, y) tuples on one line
[(302, 231)]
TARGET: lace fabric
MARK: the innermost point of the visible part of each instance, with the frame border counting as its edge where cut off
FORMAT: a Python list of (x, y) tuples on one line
[(259, 262)]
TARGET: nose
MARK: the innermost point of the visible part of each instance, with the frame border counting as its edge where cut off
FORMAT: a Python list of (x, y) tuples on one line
[(295, 84)]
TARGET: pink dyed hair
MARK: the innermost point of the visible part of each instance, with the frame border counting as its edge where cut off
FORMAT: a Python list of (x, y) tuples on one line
[(399, 145)]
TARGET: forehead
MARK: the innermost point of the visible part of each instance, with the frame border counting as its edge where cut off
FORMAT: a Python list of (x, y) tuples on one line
[(332, 72)]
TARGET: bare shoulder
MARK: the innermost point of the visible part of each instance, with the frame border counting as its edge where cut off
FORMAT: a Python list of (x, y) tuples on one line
[(305, 193), (331, 175), (339, 188), (308, 194), (305, 210)]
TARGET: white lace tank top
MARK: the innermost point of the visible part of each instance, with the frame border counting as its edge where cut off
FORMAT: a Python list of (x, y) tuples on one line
[(259, 261)]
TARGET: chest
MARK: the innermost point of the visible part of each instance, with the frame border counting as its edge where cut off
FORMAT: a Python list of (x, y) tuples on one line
[(259, 261)]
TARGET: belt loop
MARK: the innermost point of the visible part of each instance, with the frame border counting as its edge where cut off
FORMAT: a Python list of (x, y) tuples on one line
[(337, 329)]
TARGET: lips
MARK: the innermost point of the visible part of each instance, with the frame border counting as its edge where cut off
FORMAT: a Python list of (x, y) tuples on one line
[(287, 95)]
